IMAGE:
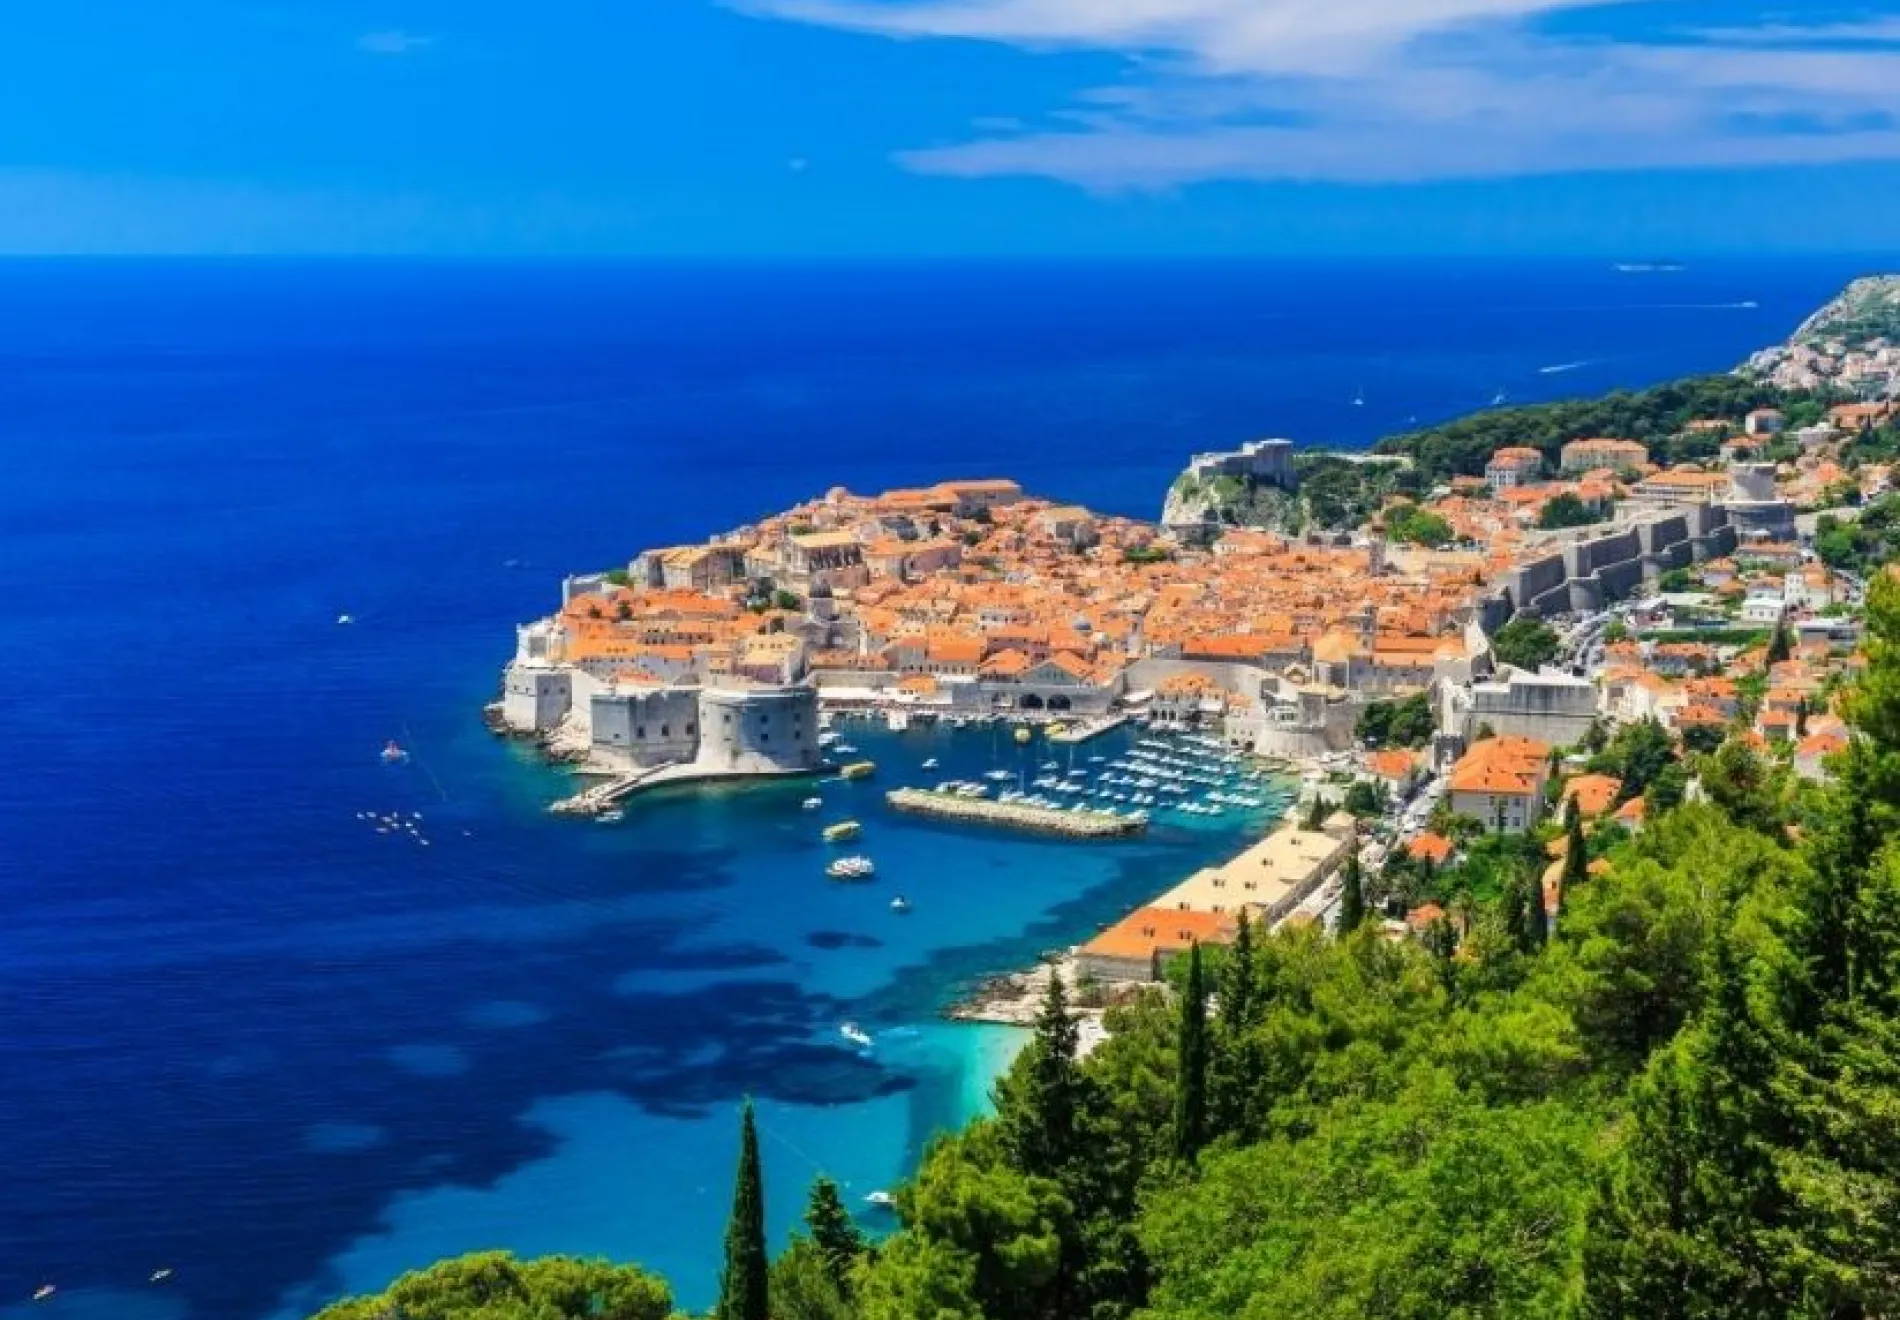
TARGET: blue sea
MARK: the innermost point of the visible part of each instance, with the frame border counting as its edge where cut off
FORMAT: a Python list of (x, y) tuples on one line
[(246, 1037)]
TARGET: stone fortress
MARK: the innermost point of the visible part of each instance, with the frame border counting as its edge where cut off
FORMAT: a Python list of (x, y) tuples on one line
[(690, 728)]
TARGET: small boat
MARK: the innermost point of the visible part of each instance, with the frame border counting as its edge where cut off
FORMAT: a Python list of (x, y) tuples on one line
[(844, 749), (858, 769), (159, 1276), (613, 817), (1024, 736), (851, 868), (393, 752), (44, 1291), (857, 1035), (882, 1200), (896, 720), (843, 832), (812, 803), (900, 905), (345, 620), (931, 764)]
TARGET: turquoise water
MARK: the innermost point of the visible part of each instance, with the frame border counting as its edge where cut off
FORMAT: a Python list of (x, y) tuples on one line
[(639, 1165)]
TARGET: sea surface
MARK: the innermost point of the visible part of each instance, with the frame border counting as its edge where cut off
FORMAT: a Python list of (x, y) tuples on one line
[(247, 1037)]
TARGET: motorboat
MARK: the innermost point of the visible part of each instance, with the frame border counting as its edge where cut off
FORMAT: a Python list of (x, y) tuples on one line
[(393, 752), (345, 620), (857, 1035), (613, 817), (857, 769), (881, 1199), (843, 832), (851, 868), (931, 764), (900, 905), (812, 803)]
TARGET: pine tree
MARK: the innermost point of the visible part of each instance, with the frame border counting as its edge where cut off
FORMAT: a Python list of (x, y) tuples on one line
[(1352, 897), (832, 1231), (1040, 1104), (1190, 1093), (742, 1284)]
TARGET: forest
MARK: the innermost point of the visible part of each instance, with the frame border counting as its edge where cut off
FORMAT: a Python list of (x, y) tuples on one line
[(1679, 1098)]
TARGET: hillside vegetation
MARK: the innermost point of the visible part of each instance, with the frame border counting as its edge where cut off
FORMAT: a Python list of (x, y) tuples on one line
[(1655, 416)]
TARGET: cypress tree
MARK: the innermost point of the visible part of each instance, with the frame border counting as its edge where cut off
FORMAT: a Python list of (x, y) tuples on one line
[(1190, 1092), (1316, 813), (1352, 897), (1536, 918), (1039, 1105), (1240, 987), (1576, 853), (1778, 646), (742, 1283), (832, 1231)]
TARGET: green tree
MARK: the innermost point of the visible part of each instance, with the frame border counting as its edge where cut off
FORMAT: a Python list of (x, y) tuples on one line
[(744, 1279), (1566, 510), (1317, 811), (803, 1286), (1526, 642), (1743, 786), (832, 1231), (981, 1241), (1576, 851), (1779, 648), (1191, 1054), (1040, 1102), (1352, 897), (493, 1285)]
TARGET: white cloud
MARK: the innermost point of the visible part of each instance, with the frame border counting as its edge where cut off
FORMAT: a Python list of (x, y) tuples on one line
[(1367, 91), (392, 42)]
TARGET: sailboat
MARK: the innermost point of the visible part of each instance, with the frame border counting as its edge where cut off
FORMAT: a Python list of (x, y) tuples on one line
[(1359, 399)]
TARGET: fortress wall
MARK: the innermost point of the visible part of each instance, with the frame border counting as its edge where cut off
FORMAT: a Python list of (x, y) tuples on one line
[(645, 728), (759, 730)]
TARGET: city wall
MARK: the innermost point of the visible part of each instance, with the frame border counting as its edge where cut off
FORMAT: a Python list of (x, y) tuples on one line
[(1609, 564)]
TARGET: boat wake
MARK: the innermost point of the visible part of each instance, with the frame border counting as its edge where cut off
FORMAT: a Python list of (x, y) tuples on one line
[(1561, 367)]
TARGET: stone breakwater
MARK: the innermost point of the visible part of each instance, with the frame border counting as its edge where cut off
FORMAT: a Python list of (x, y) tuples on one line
[(1015, 815)]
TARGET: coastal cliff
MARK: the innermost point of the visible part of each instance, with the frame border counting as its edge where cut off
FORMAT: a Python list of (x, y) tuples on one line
[(1310, 491), (1869, 308)]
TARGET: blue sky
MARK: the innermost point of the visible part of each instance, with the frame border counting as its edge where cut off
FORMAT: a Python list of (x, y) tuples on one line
[(898, 127)]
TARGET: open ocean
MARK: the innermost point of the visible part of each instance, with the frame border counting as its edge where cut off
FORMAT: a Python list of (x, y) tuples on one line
[(245, 1037)]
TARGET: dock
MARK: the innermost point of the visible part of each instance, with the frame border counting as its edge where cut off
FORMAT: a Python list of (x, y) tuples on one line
[(602, 798), (1077, 734), (1015, 815)]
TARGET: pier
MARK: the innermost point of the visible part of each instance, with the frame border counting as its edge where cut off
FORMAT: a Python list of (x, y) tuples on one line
[(1077, 734), (1015, 815)]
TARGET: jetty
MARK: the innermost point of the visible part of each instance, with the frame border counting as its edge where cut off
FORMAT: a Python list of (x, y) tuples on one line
[(1091, 729), (1016, 815)]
